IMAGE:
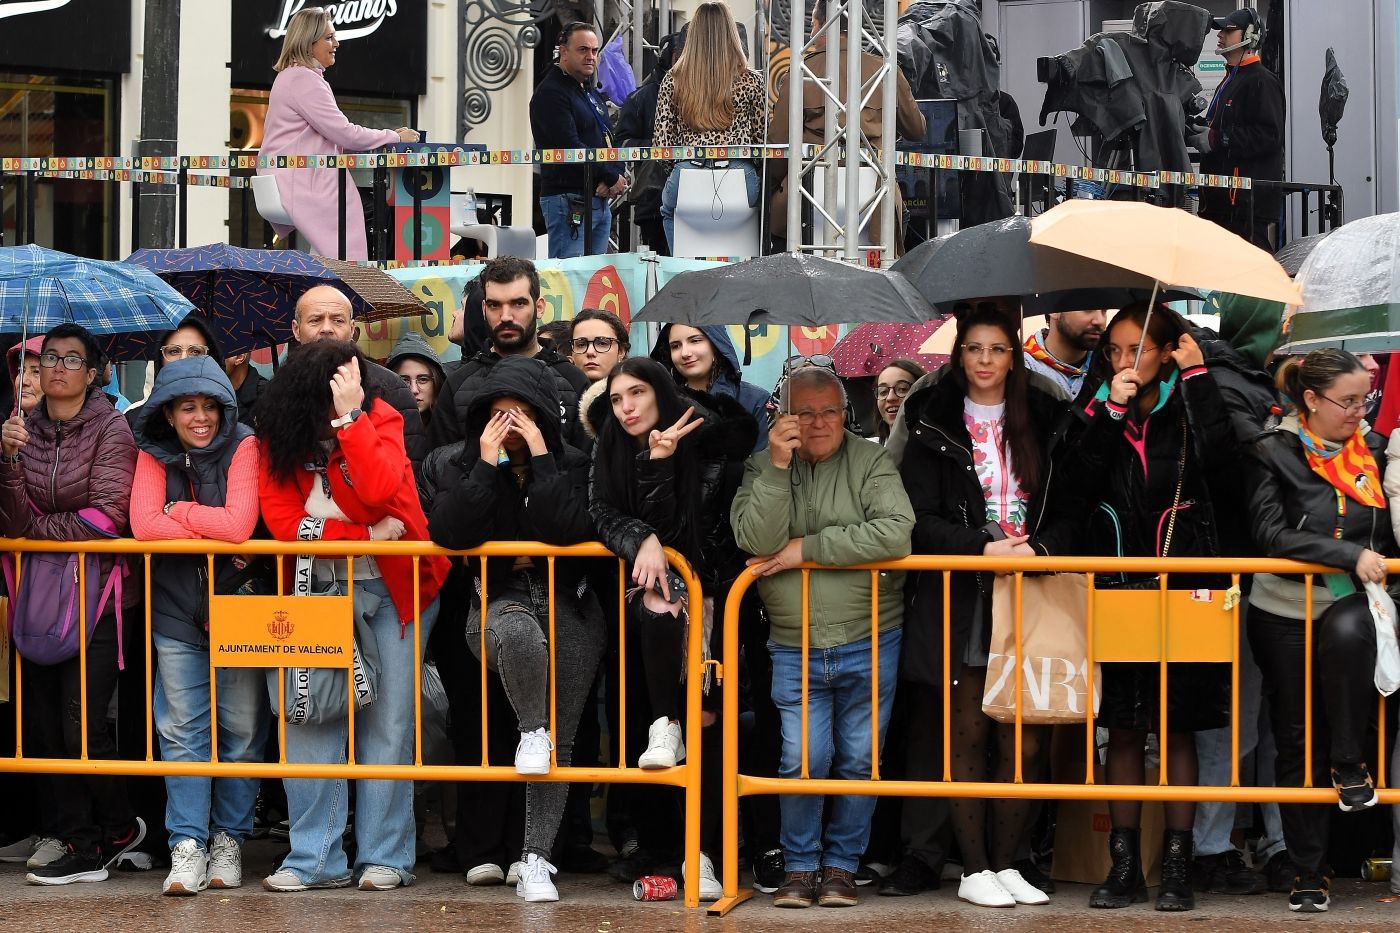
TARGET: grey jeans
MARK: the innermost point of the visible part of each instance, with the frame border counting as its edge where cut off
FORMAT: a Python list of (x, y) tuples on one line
[(517, 648)]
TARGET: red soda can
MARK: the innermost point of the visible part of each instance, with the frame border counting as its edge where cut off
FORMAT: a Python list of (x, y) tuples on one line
[(654, 888)]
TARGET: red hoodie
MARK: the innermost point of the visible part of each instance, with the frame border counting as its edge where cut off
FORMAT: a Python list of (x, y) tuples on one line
[(370, 477)]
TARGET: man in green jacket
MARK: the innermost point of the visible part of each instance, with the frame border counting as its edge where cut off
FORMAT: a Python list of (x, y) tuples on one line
[(838, 501)]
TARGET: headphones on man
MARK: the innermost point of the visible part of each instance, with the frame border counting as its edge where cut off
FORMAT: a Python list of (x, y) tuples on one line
[(1253, 33)]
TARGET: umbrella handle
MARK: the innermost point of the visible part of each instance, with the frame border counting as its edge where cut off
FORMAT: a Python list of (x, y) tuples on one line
[(1151, 303)]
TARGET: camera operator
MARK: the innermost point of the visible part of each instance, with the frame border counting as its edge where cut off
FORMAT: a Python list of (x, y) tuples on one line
[(1242, 132)]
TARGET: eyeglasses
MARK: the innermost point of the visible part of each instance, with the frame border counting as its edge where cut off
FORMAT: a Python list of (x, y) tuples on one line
[(898, 390), (996, 351), (1349, 407), (422, 379), (1112, 353), (807, 416), (72, 361), (599, 344), (177, 352), (795, 363)]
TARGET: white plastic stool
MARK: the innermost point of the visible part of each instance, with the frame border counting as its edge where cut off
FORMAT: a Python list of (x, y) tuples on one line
[(268, 200), (713, 217), (821, 233)]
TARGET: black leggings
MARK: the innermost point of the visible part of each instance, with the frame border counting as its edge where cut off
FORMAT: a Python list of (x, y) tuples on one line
[(661, 638), (1344, 700)]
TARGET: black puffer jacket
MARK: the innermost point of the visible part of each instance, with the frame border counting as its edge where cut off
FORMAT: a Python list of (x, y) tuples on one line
[(1294, 511), (949, 518), (624, 517), (1127, 489), (450, 411), (1248, 392), (476, 501), (392, 389)]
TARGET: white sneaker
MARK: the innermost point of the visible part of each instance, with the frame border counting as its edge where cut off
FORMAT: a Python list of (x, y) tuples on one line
[(513, 874), (20, 850), (532, 754), (189, 870), (484, 874), (664, 746), (1022, 890), (535, 884), (710, 888), (983, 889), (46, 851), (379, 878), (225, 862)]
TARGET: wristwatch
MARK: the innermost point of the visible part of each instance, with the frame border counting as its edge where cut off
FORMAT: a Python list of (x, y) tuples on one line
[(348, 418)]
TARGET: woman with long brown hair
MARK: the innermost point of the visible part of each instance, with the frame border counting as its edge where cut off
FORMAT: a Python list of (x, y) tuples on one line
[(710, 98), (977, 469)]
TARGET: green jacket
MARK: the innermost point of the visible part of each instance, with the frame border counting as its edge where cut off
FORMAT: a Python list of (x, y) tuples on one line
[(849, 509)]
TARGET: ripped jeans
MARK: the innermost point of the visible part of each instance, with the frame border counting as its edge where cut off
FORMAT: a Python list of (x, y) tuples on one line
[(517, 648)]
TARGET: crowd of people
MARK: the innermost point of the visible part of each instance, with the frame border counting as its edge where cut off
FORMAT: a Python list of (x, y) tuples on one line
[(1134, 434)]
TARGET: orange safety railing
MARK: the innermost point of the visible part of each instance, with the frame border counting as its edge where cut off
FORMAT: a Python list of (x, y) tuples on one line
[(1158, 625), (330, 618)]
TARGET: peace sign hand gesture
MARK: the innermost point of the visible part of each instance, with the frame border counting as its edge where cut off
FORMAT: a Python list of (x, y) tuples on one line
[(663, 443)]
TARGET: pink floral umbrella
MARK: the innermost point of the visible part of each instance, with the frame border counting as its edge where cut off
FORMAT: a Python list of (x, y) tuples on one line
[(870, 347)]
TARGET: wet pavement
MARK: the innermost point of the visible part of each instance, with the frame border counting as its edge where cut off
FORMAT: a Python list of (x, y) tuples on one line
[(594, 904)]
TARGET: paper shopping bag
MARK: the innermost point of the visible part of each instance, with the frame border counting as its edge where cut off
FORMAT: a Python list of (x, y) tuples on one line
[(1054, 681)]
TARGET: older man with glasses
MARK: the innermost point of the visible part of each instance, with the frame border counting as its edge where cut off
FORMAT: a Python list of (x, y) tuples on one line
[(819, 494)]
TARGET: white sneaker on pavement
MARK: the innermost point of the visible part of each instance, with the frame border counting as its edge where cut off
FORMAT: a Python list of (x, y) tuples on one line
[(189, 870), (20, 850), (664, 746), (379, 878), (484, 874), (710, 888), (535, 884), (46, 851), (983, 889), (225, 862), (1022, 890), (532, 754)]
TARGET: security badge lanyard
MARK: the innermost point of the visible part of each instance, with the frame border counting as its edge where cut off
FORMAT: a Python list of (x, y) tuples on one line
[(600, 117), (1339, 583)]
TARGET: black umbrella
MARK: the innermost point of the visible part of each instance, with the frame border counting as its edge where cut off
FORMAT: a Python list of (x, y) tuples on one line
[(787, 288), (997, 258), (1292, 255)]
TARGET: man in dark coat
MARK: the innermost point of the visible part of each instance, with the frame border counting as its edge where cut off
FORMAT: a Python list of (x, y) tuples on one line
[(1243, 133)]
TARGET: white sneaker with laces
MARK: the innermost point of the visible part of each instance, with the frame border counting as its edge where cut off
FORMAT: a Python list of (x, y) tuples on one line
[(664, 746), (513, 874), (189, 870), (983, 889), (46, 851), (1022, 890), (535, 884), (19, 850), (710, 888), (225, 862), (484, 874), (532, 754), (379, 878)]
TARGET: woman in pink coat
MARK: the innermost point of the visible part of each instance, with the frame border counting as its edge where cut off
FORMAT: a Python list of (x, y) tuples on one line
[(303, 119)]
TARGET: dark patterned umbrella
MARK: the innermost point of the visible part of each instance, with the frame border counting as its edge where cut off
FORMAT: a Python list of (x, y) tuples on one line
[(869, 348), (249, 295)]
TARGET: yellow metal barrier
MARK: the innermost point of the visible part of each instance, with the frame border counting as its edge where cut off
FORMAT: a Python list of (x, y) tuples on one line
[(330, 617), (1163, 626)]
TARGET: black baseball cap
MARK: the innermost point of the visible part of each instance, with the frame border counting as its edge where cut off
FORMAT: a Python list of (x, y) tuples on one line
[(1239, 19)]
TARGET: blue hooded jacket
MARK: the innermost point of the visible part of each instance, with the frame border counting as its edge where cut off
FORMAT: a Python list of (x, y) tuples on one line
[(728, 376)]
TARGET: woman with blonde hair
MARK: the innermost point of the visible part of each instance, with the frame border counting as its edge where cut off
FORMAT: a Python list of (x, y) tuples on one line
[(303, 119), (710, 98)]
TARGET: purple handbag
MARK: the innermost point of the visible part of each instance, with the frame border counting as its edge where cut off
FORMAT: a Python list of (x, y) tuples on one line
[(44, 609)]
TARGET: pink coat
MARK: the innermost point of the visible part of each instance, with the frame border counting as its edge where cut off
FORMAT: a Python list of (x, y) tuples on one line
[(303, 119)]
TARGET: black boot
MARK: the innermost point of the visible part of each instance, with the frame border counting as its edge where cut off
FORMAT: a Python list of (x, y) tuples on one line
[(1124, 884), (1176, 892)]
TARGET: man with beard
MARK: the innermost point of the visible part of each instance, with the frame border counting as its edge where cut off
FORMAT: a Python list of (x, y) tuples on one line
[(512, 308), (1064, 350)]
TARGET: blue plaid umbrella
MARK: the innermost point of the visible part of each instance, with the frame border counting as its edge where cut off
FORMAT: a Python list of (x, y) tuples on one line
[(42, 288), (249, 295)]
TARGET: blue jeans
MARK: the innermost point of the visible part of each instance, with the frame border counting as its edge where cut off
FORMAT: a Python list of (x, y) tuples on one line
[(838, 733), (672, 190), (198, 807), (384, 734), (566, 239)]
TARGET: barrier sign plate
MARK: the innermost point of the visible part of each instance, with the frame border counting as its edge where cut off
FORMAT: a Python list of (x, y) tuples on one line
[(281, 631)]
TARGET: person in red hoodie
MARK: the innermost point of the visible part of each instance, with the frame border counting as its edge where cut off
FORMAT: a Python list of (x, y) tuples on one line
[(334, 467)]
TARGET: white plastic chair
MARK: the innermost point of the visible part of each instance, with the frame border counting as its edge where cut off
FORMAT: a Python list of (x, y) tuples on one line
[(268, 200), (713, 217), (499, 241)]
